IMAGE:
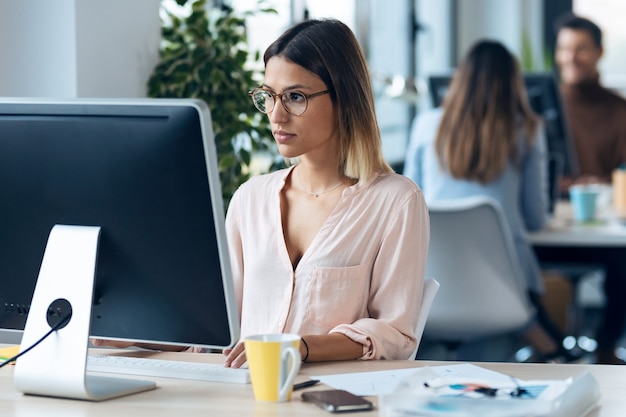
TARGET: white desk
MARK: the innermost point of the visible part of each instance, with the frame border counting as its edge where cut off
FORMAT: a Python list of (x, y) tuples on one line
[(563, 231), (195, 399)]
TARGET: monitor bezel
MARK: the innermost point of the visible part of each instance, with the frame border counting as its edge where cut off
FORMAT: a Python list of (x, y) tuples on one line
[(211, 163)]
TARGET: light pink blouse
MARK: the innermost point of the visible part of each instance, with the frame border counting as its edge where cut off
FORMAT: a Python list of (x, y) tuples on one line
[(362, 275)]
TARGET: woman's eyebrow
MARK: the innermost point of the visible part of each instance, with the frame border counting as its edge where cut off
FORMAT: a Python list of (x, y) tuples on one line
[(291, 87)]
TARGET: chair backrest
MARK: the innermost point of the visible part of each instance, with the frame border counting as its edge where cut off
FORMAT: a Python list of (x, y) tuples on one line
[(428, 295), (483, 290)]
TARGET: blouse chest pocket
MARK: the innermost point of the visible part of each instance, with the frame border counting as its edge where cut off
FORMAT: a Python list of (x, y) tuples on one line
[(338, 295)]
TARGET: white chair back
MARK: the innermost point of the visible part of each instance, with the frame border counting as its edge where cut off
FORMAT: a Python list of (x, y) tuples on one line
[(428, 295), (483, 290)]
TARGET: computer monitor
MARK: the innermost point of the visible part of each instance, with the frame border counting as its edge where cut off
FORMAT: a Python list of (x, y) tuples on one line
[(545, 99), (438, 86), (145, 172)]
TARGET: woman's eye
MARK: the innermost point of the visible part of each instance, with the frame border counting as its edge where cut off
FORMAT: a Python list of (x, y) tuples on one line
[(296, 97)]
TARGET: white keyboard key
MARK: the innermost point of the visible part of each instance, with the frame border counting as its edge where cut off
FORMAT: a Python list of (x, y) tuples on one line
[(167, 369)]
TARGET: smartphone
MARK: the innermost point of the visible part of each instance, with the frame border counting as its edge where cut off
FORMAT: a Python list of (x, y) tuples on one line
[(337, 401)]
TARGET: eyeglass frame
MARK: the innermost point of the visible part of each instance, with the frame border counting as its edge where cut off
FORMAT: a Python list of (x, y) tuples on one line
[(276, 95)]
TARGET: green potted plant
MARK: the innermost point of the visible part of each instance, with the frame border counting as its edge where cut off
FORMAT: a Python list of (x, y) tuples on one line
[(205, 55)]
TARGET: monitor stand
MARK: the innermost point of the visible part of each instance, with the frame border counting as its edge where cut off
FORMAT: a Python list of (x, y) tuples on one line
[(57, 366)]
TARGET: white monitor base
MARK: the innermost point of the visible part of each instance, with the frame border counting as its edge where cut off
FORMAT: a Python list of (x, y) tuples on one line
[(100, 388), (56, 367)]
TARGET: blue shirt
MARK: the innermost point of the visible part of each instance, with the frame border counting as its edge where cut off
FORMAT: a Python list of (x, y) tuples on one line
[(521, 189)]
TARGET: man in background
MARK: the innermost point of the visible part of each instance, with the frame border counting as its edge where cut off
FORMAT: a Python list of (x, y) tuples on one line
[(596, 115), (597, 121)]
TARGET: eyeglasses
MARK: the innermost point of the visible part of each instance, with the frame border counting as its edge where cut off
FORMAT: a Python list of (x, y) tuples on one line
[(294, 102)]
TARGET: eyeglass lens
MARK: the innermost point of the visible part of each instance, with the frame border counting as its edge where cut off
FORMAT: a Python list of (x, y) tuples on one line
[(293, 101)]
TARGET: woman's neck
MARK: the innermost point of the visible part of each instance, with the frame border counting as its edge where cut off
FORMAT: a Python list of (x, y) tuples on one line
[(319, 179)]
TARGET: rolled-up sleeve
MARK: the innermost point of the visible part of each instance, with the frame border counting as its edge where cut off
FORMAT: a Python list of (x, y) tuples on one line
[(396, 285)]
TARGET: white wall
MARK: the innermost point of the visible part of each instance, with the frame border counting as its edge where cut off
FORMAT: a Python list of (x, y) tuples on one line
[(505, 20), (77, 48), (494, 19), (37, 54), (435, 42)]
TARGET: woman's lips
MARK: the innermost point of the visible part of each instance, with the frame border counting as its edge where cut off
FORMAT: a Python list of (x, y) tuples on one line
[(282, 137)]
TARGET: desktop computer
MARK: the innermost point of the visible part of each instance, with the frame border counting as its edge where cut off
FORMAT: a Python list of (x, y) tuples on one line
[(115, 208)]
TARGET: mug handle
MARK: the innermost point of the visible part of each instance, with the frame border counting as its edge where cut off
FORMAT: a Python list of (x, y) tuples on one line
[(293, 354)]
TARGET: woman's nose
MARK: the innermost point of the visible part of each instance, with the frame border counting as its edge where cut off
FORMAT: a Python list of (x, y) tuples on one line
[(278, 113)]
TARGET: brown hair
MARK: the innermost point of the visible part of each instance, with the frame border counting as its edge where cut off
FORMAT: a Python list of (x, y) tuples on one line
[(486, 102), (329, 49)]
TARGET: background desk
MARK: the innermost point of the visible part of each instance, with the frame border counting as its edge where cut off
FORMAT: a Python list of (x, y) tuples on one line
[(577, 249), (194, 398), (563, 231)]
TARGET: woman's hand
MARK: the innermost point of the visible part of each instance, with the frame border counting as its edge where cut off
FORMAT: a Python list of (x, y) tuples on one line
[(236, 356), (119, 344), (111, 343)]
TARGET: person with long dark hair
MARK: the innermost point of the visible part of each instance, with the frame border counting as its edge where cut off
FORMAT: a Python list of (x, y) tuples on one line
[(486, 140)]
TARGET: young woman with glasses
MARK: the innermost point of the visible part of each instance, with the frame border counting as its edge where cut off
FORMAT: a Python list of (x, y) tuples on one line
[(334, 247)]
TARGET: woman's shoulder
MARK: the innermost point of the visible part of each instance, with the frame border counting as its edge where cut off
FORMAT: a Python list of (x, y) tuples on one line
[(258, 187), (262, 182), (430, 117), (389, 194), (390, 185), (431, 114), (425, 125)]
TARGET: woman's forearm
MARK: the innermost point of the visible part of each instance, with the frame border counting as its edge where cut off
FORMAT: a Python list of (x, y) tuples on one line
[(330, 347)]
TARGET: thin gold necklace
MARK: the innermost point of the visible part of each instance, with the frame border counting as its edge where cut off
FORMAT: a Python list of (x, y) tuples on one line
[(321, 192)]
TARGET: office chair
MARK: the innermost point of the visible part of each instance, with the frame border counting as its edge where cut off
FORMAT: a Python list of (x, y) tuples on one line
[(483, 290), (431, 286)]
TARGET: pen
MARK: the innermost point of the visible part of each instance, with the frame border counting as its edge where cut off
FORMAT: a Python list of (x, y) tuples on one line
[(305, 384)]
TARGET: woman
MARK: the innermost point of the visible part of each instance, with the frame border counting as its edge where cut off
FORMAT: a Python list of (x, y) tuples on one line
[(486, 140), (334, 247)]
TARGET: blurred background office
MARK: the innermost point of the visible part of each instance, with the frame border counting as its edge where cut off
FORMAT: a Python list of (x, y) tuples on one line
[(82, 48), (94, 48)]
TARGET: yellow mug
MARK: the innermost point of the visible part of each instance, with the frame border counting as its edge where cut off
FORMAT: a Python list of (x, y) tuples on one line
[(274, 361)]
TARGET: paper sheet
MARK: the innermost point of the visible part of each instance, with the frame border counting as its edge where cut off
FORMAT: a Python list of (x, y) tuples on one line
[(384, 382)]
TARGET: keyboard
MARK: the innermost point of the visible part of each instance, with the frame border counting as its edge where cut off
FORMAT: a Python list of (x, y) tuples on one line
[(167, 369)]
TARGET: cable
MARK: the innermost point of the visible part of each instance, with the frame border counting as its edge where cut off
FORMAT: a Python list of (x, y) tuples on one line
[(56, 327)]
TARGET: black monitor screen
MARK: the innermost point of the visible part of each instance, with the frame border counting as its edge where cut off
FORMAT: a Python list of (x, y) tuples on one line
[(438, 86), (145, 172)]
